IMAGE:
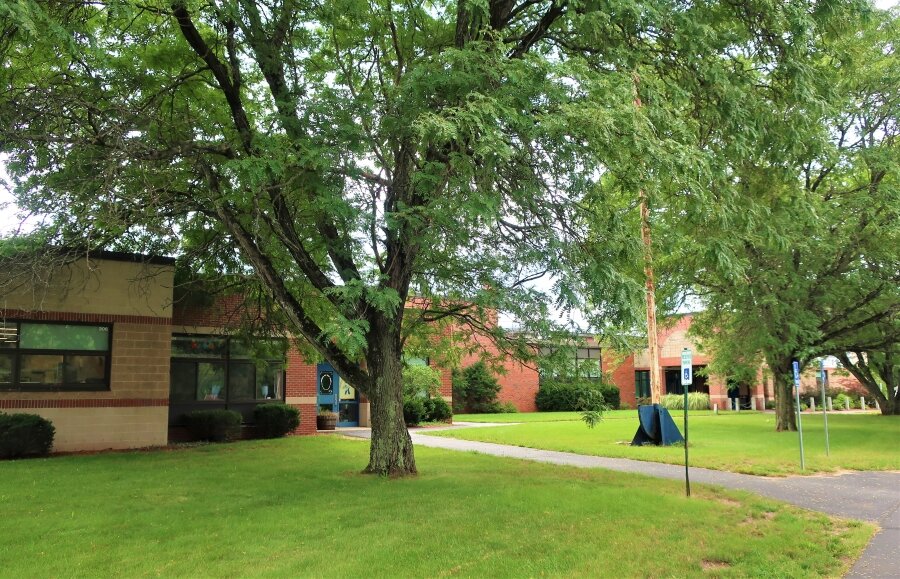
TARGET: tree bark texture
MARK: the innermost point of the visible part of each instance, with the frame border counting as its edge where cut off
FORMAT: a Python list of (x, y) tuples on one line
[(785, 417), (391, 450)]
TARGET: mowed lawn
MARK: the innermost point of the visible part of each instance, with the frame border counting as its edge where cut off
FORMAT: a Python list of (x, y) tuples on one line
[(745, 442), (299, 507)]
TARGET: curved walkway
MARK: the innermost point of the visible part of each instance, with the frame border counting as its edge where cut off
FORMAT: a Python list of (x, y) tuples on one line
[(870, 496)]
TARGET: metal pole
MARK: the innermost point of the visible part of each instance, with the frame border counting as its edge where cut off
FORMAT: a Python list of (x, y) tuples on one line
[(800, 430), (687, 479), (824, 407)]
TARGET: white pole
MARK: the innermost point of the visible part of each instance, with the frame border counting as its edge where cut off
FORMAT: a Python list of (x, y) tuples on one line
[(799, 421), (825, 406)]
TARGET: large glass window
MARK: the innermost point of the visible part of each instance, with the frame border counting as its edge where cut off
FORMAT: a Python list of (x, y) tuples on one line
[(219, 369), (46, 356)]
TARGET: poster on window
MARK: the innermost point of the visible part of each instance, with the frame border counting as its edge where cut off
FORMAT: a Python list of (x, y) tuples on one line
[(347, 392)]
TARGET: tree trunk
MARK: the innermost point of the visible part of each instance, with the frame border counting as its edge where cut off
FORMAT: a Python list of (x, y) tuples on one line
[(785, 417), (391, 450), (890, 406)]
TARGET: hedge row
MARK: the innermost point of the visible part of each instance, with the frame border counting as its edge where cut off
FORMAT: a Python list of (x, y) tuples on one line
[(563, 395)]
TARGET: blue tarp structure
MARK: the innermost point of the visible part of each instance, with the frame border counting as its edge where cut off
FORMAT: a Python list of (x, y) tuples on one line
[(657, 427)]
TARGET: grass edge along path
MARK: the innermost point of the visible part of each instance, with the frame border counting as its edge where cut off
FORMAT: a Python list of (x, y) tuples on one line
[(743, 442), (299, 506)]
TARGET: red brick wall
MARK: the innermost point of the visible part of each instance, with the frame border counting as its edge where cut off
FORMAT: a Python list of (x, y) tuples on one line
[(224, 312), (518, 382), (621, 373), (301, 383)]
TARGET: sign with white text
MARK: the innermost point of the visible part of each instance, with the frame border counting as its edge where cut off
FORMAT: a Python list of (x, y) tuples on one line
[(687, 368)]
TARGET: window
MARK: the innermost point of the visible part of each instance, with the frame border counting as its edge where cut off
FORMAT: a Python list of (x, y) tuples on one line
[(53, 356), (219, 369), (582, 362), (642, 383)]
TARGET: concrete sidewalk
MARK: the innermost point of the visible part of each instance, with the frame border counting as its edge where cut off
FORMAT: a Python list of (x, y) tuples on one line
[(869, 496)]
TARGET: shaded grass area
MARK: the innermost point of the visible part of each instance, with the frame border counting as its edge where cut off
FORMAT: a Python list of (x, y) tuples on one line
[(743, 442), (299, 506)]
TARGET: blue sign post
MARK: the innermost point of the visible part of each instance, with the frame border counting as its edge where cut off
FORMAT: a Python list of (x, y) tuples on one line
[(824, 376), (799, 423), (687, 378)]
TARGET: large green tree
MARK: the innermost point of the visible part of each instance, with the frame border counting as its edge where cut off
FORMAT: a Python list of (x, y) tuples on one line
[(807, 262), (346, 155)]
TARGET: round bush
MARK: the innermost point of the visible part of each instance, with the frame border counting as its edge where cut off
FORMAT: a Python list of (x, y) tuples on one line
[(214, 425), (413, 411), (275, 420), (439, 410), (24, 435)]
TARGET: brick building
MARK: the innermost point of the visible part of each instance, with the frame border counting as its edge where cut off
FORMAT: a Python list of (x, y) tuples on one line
[(631, 374), (99, 349)]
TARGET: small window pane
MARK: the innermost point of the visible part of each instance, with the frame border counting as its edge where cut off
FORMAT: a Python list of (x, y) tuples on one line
[(42, 369), (9, 335), (269, 380), (64, 337), (348, 412), (258, 348), (198, 347), (242, 379), (6, 368), (86, 370), (210, 381), (414, 361), (184, 381)]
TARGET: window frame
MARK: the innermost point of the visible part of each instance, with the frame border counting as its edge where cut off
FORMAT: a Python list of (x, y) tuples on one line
[(18, 353), (227, 360)]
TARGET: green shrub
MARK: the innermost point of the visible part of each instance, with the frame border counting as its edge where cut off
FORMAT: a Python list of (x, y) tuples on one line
[(275, 420), (770, 404), (562, 395), (839, 401), (508, 408), (475, 390), (696, 401), (214, 425), (24, 435), (421, 381), (413, 411), (437, 410)]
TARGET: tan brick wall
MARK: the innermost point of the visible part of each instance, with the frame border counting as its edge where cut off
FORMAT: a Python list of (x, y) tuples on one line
[(100, 287), (104, 428), (140, 361), (139, 367)]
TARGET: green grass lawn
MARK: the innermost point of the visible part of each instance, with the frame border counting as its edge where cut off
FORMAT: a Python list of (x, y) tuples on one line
[(553, 416), (298, 507), (744, 442)]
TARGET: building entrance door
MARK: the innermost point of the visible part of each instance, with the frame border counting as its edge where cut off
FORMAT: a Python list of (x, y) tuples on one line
[(337, 395)]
